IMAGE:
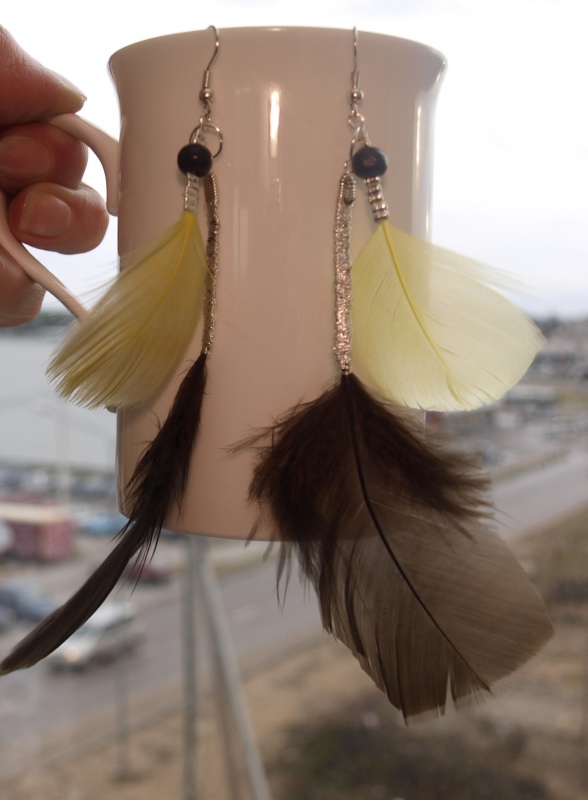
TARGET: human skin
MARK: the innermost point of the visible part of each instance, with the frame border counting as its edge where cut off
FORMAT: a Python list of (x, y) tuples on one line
[(41, 169)]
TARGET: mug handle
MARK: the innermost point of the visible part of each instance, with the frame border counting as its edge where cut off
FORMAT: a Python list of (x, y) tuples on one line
[(106, 148)]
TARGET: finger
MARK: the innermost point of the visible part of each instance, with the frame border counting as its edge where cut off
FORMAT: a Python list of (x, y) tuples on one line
[(53, 217), (21, 298), (29, 91), (40, 152)]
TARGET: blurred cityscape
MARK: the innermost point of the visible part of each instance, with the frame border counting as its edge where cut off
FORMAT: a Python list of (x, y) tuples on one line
[(56, 511), (545, 414), (56, 525)]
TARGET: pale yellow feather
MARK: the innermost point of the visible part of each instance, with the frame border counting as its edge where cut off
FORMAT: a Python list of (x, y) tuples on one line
[(429, 331), (134, 337)]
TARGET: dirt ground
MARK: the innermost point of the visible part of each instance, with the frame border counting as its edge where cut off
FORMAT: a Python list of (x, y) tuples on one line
[(326, 733)]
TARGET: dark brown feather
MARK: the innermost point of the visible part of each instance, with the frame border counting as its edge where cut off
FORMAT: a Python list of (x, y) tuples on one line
[(160, 475), (393, 531)]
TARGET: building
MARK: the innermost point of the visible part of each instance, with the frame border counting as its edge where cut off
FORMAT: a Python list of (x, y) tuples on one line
[(39, 532)]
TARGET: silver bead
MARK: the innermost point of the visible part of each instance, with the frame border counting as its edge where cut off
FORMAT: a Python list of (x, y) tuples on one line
[(376, 199), (206, 95), (356, 96), (348, 189)]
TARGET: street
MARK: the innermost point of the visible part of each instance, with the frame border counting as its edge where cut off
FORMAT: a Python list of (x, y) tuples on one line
[(42, 711), (541, 495), (54, 706)]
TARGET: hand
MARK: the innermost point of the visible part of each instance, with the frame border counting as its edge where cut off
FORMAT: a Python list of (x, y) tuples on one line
[(41, 168)]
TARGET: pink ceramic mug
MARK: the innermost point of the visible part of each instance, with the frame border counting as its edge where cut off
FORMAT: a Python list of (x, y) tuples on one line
[(281, 102)]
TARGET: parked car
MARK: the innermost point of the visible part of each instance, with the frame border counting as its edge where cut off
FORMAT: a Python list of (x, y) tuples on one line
[(113, 630), (27, 603)]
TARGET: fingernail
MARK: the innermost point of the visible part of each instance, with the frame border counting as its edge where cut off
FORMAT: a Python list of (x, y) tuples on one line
[(71, 87), (24, 158), (45, 215)]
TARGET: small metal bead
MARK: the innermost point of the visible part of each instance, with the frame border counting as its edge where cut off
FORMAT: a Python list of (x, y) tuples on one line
[(376, 199), (348, 188), (195, 159), (356, 95), (369, 162), (380, 213), (206, 95), (374, 190)]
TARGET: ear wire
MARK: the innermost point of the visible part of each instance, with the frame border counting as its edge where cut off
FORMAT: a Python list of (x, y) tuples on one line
[(195, 159)]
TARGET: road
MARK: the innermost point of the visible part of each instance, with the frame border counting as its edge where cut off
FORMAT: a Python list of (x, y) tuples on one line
[(543, 494), (38, 706)]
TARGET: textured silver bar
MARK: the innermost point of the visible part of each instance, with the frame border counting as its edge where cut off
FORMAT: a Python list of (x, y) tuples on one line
[(343, 215), (212, 259), (376, 199), (191, 193)]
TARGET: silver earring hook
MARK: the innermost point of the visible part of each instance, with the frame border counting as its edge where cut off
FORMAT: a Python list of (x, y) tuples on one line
[(206, 94), (206, 97), (356, 93), (216, 46), (356, 119)]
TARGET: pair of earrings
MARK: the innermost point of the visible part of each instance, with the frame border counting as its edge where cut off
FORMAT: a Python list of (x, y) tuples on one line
[(386, 521)]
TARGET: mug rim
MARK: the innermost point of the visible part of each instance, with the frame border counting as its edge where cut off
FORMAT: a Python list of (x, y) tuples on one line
[(256, 30)]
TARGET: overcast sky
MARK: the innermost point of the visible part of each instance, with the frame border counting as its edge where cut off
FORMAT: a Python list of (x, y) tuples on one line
[(511, 162)]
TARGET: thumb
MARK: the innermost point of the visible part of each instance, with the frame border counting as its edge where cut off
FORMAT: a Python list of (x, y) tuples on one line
[(28, 91)]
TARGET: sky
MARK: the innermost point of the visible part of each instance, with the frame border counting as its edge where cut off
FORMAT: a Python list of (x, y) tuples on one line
[(511, 162)]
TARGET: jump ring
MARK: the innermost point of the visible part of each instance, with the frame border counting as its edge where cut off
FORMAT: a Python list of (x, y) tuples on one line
[(197, 135)]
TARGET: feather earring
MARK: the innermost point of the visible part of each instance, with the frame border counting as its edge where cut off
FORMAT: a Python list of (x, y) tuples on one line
[(430, 331), (135, 336), (393, 531), (161, 473)]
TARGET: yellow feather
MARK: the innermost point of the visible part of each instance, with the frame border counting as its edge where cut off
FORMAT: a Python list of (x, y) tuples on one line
[(428, 331), (132, 340)]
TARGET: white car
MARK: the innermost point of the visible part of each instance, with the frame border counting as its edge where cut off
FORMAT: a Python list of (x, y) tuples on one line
[(114, 629)]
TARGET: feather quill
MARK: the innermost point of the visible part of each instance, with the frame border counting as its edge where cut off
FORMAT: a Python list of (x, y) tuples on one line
[(133, 339), (429, 329), (393, 530), (159, 477)]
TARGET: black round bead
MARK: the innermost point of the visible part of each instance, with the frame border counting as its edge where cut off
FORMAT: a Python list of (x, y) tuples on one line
[(369, 162), (195, 159)]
